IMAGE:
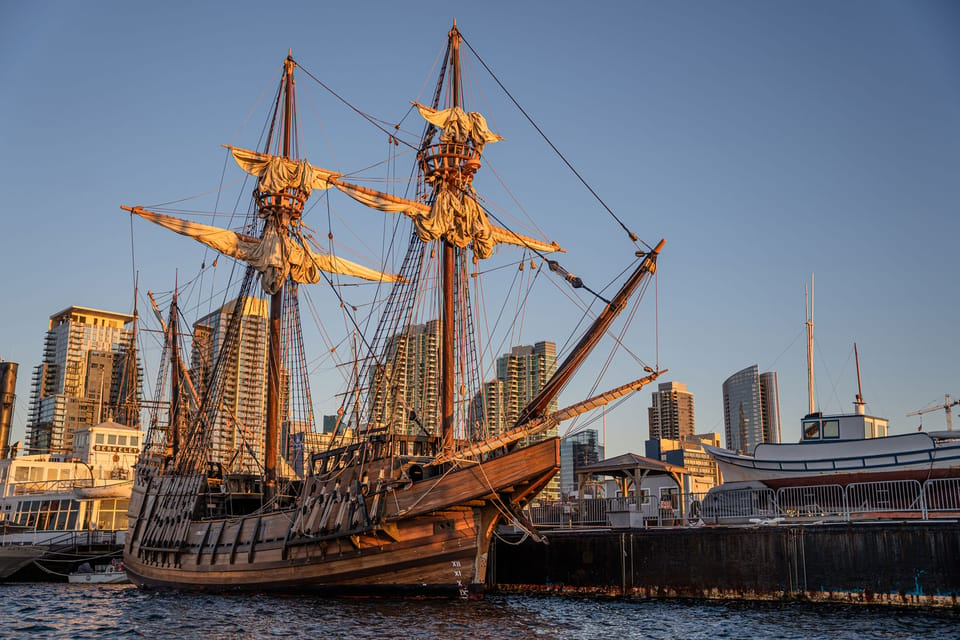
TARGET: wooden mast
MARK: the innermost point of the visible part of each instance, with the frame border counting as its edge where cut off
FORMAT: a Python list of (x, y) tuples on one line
[(175, 377), (272, 428), (448, 268)]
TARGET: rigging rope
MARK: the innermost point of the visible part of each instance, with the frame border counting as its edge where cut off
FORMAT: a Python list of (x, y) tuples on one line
[(633, 237)]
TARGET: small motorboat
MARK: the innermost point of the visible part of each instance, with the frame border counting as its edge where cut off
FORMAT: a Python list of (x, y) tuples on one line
[(111, 573)]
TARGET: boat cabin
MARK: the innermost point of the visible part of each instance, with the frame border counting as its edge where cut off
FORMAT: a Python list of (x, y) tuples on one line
[(817, 427)]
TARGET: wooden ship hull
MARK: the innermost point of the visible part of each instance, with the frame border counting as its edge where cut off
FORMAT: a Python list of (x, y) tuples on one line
[(431, 537)]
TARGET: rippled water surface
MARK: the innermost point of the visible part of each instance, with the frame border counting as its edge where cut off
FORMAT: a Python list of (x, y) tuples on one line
[(122, 611)]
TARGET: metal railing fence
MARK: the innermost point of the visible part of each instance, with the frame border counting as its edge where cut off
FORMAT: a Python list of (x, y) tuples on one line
[(931, 499)]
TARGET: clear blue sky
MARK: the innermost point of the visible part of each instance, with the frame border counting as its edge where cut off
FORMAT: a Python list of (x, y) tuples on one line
[(764, 140)]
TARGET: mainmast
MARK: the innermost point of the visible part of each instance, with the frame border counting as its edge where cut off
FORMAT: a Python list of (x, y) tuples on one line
[(447, 366), (282, 207)]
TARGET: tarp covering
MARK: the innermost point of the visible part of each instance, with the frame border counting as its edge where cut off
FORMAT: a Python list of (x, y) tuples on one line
[(275, 256), (277, 174)]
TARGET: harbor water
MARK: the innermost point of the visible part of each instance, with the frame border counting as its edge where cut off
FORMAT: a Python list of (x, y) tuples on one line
[(122, 611)]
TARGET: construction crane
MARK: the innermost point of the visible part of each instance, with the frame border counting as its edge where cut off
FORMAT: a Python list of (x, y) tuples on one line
[(945, 406)]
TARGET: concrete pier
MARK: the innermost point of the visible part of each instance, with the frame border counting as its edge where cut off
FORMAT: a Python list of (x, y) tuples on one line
[(896, 563)]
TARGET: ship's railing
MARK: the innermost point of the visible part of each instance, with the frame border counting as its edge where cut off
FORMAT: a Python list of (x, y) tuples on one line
[(908, 499)]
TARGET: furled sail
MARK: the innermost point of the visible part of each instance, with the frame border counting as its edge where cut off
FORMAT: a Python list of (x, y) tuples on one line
[(454, 216), (277, 173), (459, 126), (275, 256)]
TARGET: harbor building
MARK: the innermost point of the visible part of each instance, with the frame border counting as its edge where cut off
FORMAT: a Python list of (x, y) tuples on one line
[(576, 452), (671, 414), (88, 374), (238, 420), (751, 409)]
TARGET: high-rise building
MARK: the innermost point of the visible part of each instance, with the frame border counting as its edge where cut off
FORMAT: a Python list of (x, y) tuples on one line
[(671, 412), (577, 451), (86, 376), (406, 389), (236, 421), (751, 409), (521, 374)]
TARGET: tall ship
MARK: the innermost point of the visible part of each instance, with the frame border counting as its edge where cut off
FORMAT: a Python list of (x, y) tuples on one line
[(404, 490)]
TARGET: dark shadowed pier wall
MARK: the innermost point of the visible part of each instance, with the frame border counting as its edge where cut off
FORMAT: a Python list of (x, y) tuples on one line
[(900, 563)]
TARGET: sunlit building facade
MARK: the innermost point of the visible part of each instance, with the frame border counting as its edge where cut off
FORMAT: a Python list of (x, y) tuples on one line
[(671, 412), (87, 371), (237, 422)]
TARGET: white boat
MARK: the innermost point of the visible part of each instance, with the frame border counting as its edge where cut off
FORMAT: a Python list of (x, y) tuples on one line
[(840, 449), (843, 448), (111, 573)]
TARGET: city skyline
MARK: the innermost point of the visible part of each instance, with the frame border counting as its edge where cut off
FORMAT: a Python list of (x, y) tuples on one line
[(765, 143)]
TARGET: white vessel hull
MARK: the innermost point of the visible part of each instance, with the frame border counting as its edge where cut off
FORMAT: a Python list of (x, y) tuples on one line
[(916, 456)]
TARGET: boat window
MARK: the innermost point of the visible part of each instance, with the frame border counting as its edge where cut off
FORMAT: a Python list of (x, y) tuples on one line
[(133, 441), (868, 428), (123, 441), (811, 430), (99, 438), (112, 438), (831, 429), (21, 474), (881, 429)]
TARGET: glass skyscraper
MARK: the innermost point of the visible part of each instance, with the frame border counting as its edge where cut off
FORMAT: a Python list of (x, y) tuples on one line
[(751, 409)]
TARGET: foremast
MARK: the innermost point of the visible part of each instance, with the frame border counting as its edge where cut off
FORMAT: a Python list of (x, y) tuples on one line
[(280, 254)]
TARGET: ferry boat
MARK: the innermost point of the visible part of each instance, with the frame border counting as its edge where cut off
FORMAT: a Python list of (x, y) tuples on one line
[(45, 496)]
